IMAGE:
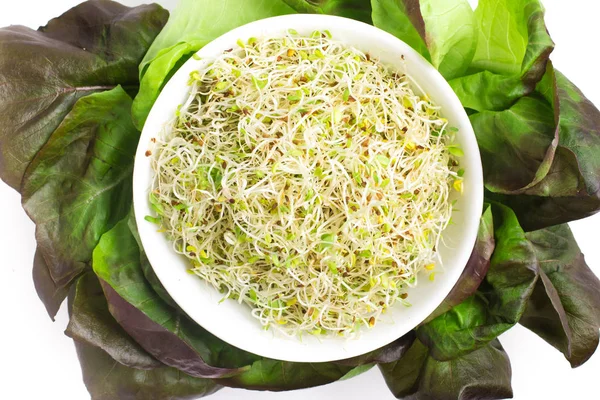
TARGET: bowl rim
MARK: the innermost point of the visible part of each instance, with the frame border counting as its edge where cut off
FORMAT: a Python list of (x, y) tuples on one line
[(266, 344)]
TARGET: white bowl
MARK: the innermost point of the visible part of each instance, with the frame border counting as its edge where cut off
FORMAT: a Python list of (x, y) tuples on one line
[(232, 322)]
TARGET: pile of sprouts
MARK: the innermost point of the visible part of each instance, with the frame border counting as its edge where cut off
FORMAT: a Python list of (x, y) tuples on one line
[(307, 180)]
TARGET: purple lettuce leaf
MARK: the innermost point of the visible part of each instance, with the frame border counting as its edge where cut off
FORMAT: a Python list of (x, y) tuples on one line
[(566, 184), (565, 307), (484, 374), (78, 186), (92, 324), (107, 379), (93, 47)]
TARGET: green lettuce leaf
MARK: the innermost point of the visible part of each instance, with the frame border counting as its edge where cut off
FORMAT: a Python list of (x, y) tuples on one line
[(512, 52), (503, 35), (465, 328), (79, 184), (451, 35), (147, 269), (513, 268), (107, 379), (481, 374), (403, 19), (356, 9), (192, 25), (91, 48), (565, 307), (500, 301), (356, 371), (91, 323), (443, 31), (476, 268), (155, 76), (275, 375)]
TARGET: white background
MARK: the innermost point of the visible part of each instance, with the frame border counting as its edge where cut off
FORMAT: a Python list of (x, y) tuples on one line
[(39, 362)]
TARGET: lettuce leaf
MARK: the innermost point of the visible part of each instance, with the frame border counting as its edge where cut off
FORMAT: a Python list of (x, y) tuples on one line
[(359, 10), (565, 307), (192, 25), (503, 35), (481, 374), (91, 48), (51, 295), (512, 52), (387, 354), (403, 19), (476, 268), (107, 379), (516, 145), (443, 31), (275, 375), (563, 181), (498, 304), (79, 184), (147, 269), (91, 323)]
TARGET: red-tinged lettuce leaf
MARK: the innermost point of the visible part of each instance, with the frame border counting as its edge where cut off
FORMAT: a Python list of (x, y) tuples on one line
[(442, 31), (565, 307), (51, 295), (190, 27), (356, 9), (79, 184), (91, 48), (91, 323), (403, 19), (161, 330), (476, 268), (107, 379), (566, 185), (484, 374), (517, 145), (512, 53), (500, 301), (160, 342)]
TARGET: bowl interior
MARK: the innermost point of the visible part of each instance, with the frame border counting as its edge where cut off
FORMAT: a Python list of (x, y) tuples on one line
[(232, 322)]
